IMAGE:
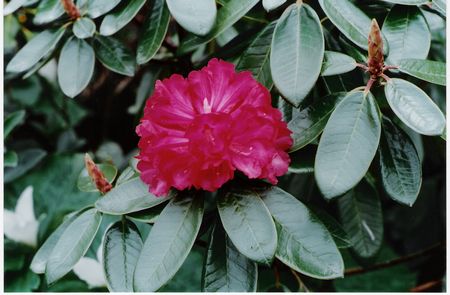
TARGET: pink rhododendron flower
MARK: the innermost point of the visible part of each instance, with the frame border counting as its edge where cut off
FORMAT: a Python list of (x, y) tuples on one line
[(197, 131)]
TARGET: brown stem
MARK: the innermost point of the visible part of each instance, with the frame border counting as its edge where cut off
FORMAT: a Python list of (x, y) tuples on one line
[(426, 287), (425, 252), (71, 9), (301, 285)]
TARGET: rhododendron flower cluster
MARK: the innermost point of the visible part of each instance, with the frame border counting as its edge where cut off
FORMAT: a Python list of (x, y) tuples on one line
[(197, 131)]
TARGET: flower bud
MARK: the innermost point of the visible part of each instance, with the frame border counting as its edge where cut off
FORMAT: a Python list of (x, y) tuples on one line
[(96, 175), (375, 59)]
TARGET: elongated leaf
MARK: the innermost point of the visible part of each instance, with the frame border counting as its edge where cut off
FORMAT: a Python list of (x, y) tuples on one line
[(122, 245), (75, 66), (10, 159), (360, 212), (336, 230), (440, 5), (168, 243), (225, 268), (130, 196), (12, 121), (154, 31), (48, 11), (84, 28), (297, 52), (408, 2), (248, 224), (350, 20), (39, 262), (335, 63), (230, 13), (149, 215), (27, 160), (126, 175), (38, 47), (428, 70), (309, 123), (12, 6), (272, 4), (304, 243), (348, 144), (115, 21), (414, 107), (401, 169), (407, 32), (72, 245), (97, 8), (85, 183), (114, 55), (197, 17), (256, 57)]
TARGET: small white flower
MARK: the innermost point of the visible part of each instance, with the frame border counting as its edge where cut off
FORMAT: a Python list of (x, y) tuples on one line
[(91, 270), (21, 225)]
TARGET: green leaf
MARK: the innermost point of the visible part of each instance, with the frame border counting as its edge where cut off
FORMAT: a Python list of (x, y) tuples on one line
[(401, 169), (83, 28), (39, 262), (256, 57), (126, 175), (360, 212), (350, 20), (97, 8), (48, 11), (10, 159), (85, 183), (307, 125), (72, 245), (225, 268), (149, 215), (272, 4), (115, 21), (75, 66), (428, 70), (12, 6), (114, 55), (340, 237), (122, 245), (407, 32), (154, 31), (38, 47), (439, 5), (304, 243), (130, 196), (197, 16), (295, 67), (27, 281), (248, 224), (229, 14), (12, 121), (348, 144), (169, 242), (335, 63), (28, 159), (414, 107), (145, 89), (409, 2)]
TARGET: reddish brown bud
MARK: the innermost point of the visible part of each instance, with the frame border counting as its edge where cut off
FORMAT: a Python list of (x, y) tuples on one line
[(71, 9), (376, 58), (96, 175)]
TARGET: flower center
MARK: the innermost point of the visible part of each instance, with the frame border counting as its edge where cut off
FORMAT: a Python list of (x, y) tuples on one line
[(206, 106)]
